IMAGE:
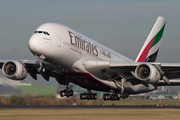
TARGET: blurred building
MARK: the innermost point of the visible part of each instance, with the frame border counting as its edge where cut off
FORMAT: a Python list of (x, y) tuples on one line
[(10, 88)]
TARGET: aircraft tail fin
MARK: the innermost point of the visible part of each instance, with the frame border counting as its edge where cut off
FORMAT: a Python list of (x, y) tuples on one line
[(150, 48)]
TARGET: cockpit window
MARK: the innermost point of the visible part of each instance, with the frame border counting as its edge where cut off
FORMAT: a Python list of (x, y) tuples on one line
[(46, 33)]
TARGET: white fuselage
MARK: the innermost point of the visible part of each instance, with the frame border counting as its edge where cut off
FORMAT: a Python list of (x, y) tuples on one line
[(66, 48)]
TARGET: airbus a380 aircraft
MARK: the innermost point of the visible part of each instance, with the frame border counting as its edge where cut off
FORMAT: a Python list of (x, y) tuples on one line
[(70, 56)]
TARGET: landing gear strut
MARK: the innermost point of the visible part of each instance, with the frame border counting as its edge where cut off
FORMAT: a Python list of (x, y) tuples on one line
[(88, 96), (66, 92), (41, 59)]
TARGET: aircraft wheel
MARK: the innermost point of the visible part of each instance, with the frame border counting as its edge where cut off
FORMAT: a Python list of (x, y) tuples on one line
[(88, 96), (81, 96), (95, 96), (106, 97), (68, 93), (85, 95), (62, 93), (115, 97), (71, 92), (112, 97), (92, 96), (126, 94)]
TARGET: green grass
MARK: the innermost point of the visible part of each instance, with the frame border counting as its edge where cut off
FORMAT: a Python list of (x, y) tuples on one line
[(39, 90)]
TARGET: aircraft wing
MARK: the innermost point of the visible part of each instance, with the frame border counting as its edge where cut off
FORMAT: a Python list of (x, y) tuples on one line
[(172, 70), (167, 71), (32, 68), (103, 70)]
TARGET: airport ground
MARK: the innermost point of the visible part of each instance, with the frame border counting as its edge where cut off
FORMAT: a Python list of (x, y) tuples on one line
[(38, 113), (90, 114), (49, 100)]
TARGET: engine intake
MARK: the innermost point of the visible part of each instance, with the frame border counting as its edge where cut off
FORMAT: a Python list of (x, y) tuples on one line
[(147, 73), (14, 70)]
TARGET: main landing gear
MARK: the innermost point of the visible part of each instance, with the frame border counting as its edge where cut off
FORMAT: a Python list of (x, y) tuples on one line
[(116, 95), (88, 96), (66, 92), (113, 96)]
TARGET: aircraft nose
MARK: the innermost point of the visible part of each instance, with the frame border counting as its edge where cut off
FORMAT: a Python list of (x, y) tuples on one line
[(34, 44)]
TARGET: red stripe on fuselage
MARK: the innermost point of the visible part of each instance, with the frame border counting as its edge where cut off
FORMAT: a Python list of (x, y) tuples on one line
[(86, 80)]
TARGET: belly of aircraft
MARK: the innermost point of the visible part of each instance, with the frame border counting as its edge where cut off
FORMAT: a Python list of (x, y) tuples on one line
[(86, 80)]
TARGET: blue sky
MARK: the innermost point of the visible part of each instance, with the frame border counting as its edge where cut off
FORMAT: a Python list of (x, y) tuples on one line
[(118, 24)]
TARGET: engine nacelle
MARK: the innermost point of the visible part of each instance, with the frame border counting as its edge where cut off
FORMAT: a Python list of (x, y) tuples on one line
[(14, 70), (147, 73)]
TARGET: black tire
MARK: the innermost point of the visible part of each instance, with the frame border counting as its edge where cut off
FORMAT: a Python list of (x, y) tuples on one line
[(62, 93), (118, 95), (126, 94), (67, 93), (92, 96), (115, 97), (112, 97), (81, 96), (71, 92), (107, 96), (88, 96), (84, 96), (104, 97), (95, 96), (123, 96)]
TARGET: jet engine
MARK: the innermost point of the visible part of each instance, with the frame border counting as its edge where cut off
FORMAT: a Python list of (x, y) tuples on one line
[(147, 73), (14, 70)]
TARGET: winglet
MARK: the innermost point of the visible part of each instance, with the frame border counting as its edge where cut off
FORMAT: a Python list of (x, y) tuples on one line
[(150, 48)]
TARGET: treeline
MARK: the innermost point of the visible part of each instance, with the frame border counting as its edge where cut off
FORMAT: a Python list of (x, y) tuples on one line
[(28, 100)]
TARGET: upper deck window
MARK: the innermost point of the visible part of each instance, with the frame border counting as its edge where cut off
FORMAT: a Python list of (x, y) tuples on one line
[(45, 32)]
